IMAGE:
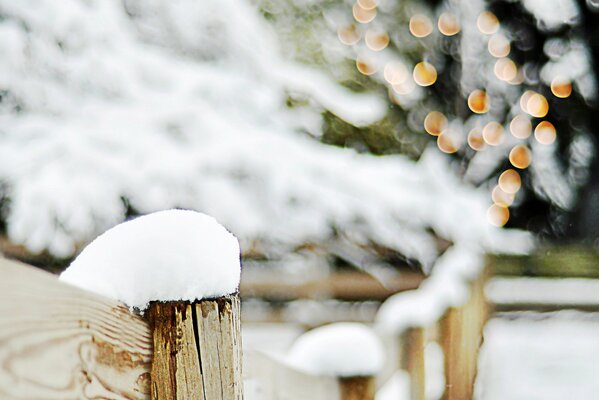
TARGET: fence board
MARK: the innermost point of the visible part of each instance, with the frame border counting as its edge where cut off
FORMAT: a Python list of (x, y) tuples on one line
[(271, 379), (60, 342)]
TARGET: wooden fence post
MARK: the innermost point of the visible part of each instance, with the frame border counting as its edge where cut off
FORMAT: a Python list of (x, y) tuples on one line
[(197, 349), (357, 388), (412, 360), (461, 337)]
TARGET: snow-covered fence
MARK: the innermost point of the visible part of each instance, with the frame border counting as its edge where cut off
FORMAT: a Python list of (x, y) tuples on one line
[(448, 308), (61, 342)]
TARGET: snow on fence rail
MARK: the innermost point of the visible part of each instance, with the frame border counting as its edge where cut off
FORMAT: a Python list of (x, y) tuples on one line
[(61, 342), (188, 345)]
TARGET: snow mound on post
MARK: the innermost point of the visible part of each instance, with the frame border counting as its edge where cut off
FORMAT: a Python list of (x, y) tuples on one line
[(341, 349), (165, 256)]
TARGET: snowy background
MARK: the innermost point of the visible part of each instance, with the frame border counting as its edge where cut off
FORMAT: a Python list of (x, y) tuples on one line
[(249, 111)]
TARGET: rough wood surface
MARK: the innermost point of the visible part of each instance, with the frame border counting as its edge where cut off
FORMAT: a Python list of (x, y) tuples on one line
[(461, 337), (59, 342), (357, 388), (197, 349), (412, 360)]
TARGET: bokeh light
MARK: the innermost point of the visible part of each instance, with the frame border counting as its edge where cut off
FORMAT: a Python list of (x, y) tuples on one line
[(493, 133), (448, 24), (561, 87), (524, 100), (478, 101), (367, 4), (420, 26), (545, 132), (510, 181), (363, 15), (537, 105), (498, 215), (521, 127), (395, 72), (499, 46), (435, 123), (475, 139), (520, 156), (487, 23), (405, 87), (502, 198), (366, 67), (424, 74), (376, 40), (349, 35), (505, 69), (446, 142)]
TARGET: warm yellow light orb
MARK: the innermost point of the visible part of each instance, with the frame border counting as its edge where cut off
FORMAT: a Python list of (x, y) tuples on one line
[(448, 24), (376, 40), (366, 67), (424, 74), (363, 15), (478, 101), (537, 105), (367, 4), (545, 132), (520, 156), (561, 87), (502, 198), (505, 69), (521, 127), (348, 35), (475, 139), (446, 142), (420, 26), (510, 181), (435, 123), (499, 46), (493, 133), (498, 215), (487, 23)]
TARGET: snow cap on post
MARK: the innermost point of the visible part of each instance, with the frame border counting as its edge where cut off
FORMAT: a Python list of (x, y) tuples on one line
[(165, 256), (341, 350)]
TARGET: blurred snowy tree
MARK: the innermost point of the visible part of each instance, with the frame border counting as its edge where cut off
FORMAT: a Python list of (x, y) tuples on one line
[(504, 85), (118, 107)]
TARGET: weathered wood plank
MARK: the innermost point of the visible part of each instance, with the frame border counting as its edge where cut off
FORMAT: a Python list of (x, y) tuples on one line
[(197, 349), (412, 360), (60, 342)]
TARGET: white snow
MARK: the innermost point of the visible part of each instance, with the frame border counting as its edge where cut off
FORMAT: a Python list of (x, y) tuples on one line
[(552, 14), (164, 256), (396, 387), (447, 286), (341, 349), (540, 357), (563, 291), (184, 105)]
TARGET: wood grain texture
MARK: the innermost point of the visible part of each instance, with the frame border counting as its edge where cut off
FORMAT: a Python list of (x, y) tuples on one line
[(197, 349), (461, 337), (357, 388), (60, 342), (412, 360)]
